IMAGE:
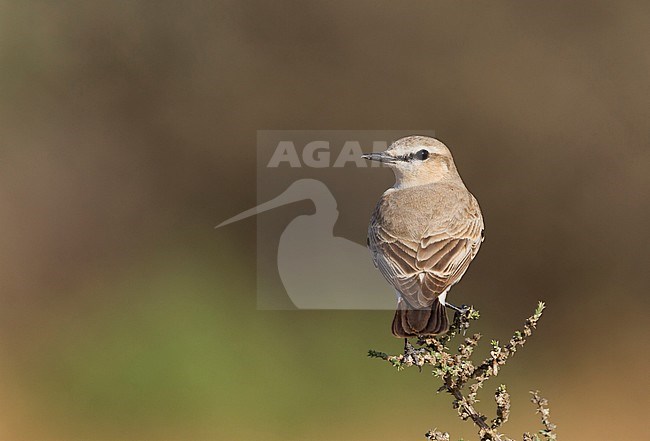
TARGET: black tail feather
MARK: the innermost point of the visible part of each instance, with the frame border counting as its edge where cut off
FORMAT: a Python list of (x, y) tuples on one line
[(420, 322)]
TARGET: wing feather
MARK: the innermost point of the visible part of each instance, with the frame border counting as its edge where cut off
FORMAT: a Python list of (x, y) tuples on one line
[(420, 270)]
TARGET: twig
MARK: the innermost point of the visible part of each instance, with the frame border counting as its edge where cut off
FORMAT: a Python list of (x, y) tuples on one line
[(548, 431), (458, 373)]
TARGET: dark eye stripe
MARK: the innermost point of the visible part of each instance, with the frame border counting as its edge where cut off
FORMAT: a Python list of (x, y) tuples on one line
[(420, 155)]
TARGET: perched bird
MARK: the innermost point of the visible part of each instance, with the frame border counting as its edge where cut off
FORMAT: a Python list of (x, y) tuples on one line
[(424, 232)]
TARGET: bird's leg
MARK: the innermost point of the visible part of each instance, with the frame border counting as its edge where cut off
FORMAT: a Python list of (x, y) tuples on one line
[(410, 354), (408, 347), (461, 316), (461, 310)]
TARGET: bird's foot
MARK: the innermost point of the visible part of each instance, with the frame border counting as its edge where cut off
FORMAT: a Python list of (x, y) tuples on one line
[(461, 316), (412, 355)]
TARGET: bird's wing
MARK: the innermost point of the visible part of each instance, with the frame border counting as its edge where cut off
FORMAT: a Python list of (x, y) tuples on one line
[(422, 270)]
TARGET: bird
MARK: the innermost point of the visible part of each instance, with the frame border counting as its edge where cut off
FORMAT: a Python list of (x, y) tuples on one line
[(424, 232)]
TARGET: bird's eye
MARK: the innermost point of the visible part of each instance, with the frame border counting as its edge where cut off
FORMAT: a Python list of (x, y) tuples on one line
[(422, 155)]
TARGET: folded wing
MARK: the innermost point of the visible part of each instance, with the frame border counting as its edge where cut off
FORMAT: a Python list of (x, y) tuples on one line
[(423, 269)]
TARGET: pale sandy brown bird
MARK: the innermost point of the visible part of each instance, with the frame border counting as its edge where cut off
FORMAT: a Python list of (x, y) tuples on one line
[(424, 232)]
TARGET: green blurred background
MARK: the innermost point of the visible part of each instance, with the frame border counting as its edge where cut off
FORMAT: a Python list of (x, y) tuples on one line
[(128, 130)]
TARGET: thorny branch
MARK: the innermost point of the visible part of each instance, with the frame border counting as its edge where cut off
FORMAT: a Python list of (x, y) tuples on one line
[(549, 428), (462, 379)]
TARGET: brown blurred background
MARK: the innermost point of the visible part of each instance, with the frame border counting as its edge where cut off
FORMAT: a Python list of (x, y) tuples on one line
[(128, 130)]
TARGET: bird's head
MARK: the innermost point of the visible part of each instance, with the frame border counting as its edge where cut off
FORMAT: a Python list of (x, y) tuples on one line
[(417, 160)]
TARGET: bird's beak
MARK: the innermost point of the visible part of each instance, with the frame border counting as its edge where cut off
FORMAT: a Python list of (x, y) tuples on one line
[(381, 157)]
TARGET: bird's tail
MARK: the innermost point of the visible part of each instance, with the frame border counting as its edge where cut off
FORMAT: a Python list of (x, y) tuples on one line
[(420, 322)]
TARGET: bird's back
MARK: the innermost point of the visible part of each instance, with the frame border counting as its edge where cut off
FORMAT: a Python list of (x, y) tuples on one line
[(413, 213), (423, 238)]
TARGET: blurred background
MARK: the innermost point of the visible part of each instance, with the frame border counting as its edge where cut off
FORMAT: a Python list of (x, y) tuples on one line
[(128, 130)]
